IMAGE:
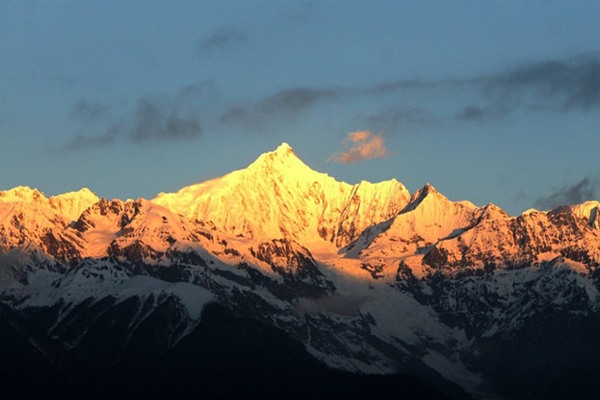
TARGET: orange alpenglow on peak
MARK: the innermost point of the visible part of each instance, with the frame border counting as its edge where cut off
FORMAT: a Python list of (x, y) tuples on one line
[(278, 196), (282, 153), (70, 205), (284, 148)]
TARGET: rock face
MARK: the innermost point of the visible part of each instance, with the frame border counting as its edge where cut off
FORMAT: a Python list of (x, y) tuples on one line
[(362, 278), (278, 196)]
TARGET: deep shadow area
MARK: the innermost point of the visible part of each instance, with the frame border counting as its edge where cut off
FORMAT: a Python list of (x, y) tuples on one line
[(553, 357), (225, 357)]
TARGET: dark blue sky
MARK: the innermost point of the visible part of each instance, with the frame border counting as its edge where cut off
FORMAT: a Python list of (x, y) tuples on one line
[(488, 101)]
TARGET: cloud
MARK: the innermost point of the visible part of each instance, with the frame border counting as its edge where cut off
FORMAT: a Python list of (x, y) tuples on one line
[(471, 113), (219, 39), (287, 103), (572, 84), (198, 90), (586, 189), (81, 141), (550, 85), (154, 121), (361, 146), (158, 117), (407, 84), (565, 86), (396, 116), (480, 114), (547, 86), (83, 109)]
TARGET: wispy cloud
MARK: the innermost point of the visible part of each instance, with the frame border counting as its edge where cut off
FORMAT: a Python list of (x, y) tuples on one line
[(548, 86), (474, 113), (83, 141), (361, 146), (551, 86), (287, 104), (197, 91), (158, 117), (84, 109), (408, 84), (396, 116), (219, 39), (571, 84), (586, 189), (156, 121)]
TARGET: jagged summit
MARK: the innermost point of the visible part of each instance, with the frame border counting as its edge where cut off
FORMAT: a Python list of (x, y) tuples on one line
[(284, 153), (70, 205), (284, 148), (280, 196), (22, 193), (283, 161), (428, 188), (367, 277), (492, 211)]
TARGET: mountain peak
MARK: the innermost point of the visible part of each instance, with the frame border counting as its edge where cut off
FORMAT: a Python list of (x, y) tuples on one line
[(72, 204), (69, 205), (420, 195), (284, 149), (284, 153), (428, 188), (282, 161), (23, 193), (280, 196)]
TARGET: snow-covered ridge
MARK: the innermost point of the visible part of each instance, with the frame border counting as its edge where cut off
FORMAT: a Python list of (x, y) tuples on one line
[(368, 277), (278, 196), (70, 205)]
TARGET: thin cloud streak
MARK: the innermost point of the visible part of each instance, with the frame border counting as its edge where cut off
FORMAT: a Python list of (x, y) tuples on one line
[(474, 113), (155, 122), (573, 85), (82, 141), (396, 116), (219, 39), (160, 117), (586, 189), (285, 104), (549, 86), (361, 146), (553, 85), (84, 109)]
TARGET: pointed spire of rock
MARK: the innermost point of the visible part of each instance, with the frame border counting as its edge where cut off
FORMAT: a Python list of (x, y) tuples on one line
[(284, 149)]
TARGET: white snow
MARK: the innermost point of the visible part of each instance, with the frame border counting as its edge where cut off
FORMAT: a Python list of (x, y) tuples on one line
[(224, 220), (69, 205), (279, 196)]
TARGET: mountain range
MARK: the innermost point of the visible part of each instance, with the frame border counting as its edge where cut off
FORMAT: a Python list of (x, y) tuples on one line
[(277, 281)]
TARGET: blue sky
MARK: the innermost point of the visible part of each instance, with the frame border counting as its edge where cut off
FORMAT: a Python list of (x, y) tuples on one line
[(487, 101)]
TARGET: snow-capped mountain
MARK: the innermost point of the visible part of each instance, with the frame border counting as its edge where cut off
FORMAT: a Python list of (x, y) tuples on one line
[(69, 205), (366, 279), (278, 196)]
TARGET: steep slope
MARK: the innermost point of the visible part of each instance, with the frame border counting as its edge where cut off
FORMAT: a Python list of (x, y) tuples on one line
[(365, 279), (69, 205), (589, 210), (34, 225), (526, 240), (278, 196), (428, 219)]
